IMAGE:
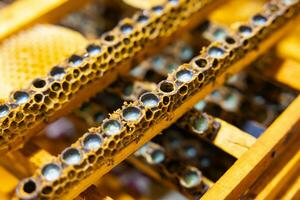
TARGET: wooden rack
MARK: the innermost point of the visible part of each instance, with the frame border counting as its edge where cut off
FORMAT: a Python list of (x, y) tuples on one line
[(266, 167)]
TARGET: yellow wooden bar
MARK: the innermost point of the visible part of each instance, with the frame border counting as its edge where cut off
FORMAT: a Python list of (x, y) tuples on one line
[(232, 140), (289, 47), (286, 73), (236, 11), (37, 156), (282, 179), (280, 175), (293, 193), (23, 163), (24, 13), (284, 68), (8, 182), (255, 161), (19, 165)]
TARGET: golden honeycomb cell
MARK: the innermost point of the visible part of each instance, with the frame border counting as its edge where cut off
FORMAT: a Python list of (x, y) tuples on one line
[(31, 54)]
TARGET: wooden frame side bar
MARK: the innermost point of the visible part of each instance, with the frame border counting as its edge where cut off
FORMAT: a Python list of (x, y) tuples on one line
[(256, 160)]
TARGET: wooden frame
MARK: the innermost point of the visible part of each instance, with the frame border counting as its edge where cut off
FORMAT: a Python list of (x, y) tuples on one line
[(273, 143), (255, 157)]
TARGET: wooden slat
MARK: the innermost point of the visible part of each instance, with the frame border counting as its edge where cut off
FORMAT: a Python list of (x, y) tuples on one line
[(256, 160), (286, 68), (293, 193), (236, 10), (286, 73), (280, 175), (36, 155), (24, 162), (8, 183), (18, 165), (233, 140), (289, 47), (282, 179), (144, 4), (24, 13)]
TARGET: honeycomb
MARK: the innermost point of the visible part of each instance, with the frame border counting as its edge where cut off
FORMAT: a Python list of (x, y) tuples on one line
[(187, 178), (32, 53), (97, 150), (179, 158), (94, 67), (198, 123)]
